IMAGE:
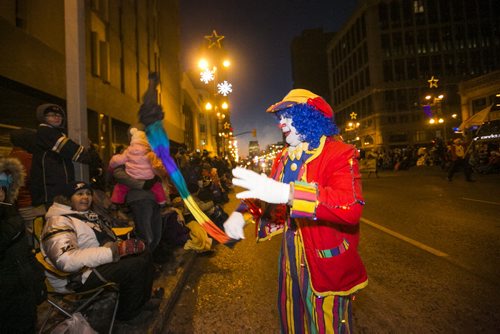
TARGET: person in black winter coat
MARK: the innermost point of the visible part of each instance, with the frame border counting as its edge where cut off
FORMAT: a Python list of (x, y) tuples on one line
[(22, 283), (52, 166)]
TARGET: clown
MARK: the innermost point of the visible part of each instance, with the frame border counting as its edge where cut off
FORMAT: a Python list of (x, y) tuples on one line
[(316, 184)]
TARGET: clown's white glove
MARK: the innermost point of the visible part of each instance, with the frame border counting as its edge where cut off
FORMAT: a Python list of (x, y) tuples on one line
[(260, 187), (233, 226)]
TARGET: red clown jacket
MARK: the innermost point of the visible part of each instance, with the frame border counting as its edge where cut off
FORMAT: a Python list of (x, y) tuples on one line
[(327, 205)]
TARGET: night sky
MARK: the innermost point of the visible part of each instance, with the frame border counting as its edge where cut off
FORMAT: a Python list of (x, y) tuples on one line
[(258, 34)]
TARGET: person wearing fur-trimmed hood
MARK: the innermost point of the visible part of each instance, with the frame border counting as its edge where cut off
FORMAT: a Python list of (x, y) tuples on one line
[(313, 196), (21, 278)]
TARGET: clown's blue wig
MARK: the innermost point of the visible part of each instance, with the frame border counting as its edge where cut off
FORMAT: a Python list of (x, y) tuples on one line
[(309, 123)]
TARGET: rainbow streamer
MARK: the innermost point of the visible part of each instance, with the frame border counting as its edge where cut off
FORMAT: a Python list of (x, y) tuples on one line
[(160, 143)]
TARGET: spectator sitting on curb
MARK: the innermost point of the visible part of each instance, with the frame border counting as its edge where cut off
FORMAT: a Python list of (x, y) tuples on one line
[(23, 142), (22, 284), (78, 241)]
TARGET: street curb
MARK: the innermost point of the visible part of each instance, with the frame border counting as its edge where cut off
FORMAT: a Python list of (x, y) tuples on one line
[(173, 289)]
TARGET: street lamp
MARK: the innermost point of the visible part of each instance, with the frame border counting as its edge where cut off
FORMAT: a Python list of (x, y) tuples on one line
[(213, 66), (433, 105), (353, 127), (436, 116)]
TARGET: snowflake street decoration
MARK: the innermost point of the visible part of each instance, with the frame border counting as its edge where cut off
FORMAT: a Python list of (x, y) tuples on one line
[(224, 88), (206, 76)]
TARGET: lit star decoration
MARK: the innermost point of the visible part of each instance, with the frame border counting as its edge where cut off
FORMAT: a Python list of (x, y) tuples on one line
[(224, 88), (214, 40), (353, 115), (433, 82), (206, 76), (227, 126)]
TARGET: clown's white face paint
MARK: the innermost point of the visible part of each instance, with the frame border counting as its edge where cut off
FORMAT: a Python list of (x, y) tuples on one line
[(292, 137)]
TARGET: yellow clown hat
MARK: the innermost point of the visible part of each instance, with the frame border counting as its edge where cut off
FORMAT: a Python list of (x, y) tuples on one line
[(303, 96)]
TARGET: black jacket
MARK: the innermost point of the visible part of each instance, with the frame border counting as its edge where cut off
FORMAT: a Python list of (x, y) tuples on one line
[(52, 167)]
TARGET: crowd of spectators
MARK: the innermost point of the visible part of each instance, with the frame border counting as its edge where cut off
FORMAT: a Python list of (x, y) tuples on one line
[(79, 216), (482, 157)]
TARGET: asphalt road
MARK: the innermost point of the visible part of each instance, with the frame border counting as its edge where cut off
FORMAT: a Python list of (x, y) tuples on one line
[(431, 249)]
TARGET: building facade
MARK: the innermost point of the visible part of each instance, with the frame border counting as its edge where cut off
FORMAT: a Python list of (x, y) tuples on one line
[(391, 55), (479, 93), (310, 62), (124, 41)]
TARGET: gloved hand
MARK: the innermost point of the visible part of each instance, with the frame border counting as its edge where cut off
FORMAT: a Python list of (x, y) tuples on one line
[(114, 250), (130, 246), (234, 226), (260, 186)]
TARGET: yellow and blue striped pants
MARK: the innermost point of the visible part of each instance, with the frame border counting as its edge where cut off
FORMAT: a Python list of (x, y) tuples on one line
[(301, 310)]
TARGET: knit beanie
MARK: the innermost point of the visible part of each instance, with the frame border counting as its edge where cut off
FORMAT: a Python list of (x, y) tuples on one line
[(138, 137), (71, 188)]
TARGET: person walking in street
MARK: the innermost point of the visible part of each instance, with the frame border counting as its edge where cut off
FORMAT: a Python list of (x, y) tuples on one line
[(458, 160), (318, 212), (52, 166)]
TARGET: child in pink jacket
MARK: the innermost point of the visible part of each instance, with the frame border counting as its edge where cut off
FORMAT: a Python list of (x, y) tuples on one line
[(140, 163)]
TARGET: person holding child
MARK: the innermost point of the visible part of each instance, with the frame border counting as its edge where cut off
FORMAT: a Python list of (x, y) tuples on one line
[(140, 163)]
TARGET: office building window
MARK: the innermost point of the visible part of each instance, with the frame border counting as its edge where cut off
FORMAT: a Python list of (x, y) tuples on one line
[(457, 7), (449, 64), (434, 40), (472, 36), (392, 119), (436, 65), (383, 14), (399, 137), (395, 14), (432, 11), (99, 48), (446, 38), (407, 11), (410, 42), (444, 11), (402, 100), (459, 37), (411, 68), (397, 43), (422, 42), (388, 71), (423, 67), (418, 6), (478, 105), (399, 70), (386, 45), (413, 99), (461, 63), (420, 136)]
